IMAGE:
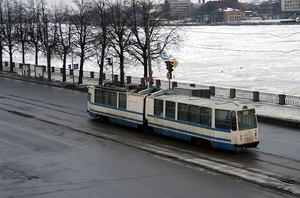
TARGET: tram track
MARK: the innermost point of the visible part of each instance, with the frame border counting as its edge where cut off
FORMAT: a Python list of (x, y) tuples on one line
[(190, 157), (60, 109)]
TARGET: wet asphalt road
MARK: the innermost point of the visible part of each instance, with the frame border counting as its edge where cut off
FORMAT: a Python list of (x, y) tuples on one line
[(44, 152)]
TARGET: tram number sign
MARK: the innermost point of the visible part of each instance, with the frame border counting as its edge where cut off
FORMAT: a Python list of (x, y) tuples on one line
[(169, 75)]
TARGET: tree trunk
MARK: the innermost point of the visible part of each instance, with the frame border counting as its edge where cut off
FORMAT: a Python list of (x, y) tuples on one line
[(11, 59), (64, 67), (145, 67), (1, 66), (36, 55), (81, 70), (49, 63), (122, 69), (23, 52)]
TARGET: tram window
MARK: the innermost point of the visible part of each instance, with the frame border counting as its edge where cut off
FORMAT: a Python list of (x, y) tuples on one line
[(205, 116), (233, 121), (105, 97), (194, 114), (170, 109), (222, 119), (247, 120), (158, 107), (113, 99), (98, 96), (122, 101), (182, 113)]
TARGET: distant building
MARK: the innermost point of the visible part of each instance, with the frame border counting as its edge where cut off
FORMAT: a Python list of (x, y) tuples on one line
[(227, 15), (234, 14), (223, 4), (180, 8), (290, 5)]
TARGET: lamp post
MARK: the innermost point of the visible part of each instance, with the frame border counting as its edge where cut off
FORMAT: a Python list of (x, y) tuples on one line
[(146, 10)]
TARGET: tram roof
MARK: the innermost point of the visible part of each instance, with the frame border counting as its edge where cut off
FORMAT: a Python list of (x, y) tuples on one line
[(205, 102)]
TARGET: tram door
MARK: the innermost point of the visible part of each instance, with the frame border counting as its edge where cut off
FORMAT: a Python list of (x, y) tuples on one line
[(225, 119)]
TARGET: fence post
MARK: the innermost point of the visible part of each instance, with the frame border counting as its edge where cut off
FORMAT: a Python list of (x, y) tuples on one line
[(212, 90), (92, 74), (281, 99), (255, 96), (116, 77), (103, 76), (128, 79), (52, 69), (232, 93), (157, 83), (174, 84)]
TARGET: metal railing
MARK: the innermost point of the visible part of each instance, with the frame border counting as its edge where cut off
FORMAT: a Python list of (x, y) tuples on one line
[(90, 78)]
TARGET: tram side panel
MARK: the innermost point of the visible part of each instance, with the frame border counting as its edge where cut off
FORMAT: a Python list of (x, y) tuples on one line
[(134, 111), (119, 107), (90, 102), (177, 128)]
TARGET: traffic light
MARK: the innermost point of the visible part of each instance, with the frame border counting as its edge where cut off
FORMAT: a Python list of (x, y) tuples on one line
[(169, 66)]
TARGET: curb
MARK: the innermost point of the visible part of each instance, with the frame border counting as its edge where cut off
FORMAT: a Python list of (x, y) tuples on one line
[(281, 122)]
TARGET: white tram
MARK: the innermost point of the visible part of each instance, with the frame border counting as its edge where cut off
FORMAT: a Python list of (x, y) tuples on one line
[(224, 125)]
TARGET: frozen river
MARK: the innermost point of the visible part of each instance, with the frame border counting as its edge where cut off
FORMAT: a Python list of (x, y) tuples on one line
[(261, 58)]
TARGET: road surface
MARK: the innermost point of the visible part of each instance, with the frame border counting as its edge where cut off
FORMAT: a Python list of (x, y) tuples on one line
[(51, 148)]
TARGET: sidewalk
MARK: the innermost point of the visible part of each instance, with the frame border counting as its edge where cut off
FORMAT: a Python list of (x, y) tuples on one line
[(270, 113)]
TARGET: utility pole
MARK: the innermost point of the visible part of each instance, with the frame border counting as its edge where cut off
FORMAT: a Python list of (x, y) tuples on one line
[(148, 44), (47, 48)]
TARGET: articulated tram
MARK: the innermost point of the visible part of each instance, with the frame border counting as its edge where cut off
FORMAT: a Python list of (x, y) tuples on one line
[(224, 125)]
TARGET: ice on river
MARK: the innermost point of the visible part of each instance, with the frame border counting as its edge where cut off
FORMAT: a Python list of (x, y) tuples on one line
[(252, 57)]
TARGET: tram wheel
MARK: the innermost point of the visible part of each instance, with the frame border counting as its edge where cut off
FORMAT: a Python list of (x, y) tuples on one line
[(197, 141), (102, 118), (145, 129)]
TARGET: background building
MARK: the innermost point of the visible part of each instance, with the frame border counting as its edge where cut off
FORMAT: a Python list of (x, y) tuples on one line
[(180, 8), (227, 15), (290, 5)]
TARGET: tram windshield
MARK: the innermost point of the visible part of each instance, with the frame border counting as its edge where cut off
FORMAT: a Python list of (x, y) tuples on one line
[(247, 119)]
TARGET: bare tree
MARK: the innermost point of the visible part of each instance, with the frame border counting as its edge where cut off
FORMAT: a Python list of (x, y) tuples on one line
[(146, 17), (1, 34), (10, 18), (34, 24), (101, 41), (64, 41), (21, 30), (48, 33), (120, 34), (84, 32)]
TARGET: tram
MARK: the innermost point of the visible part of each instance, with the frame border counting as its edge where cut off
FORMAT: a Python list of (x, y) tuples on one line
[(222, 124)]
